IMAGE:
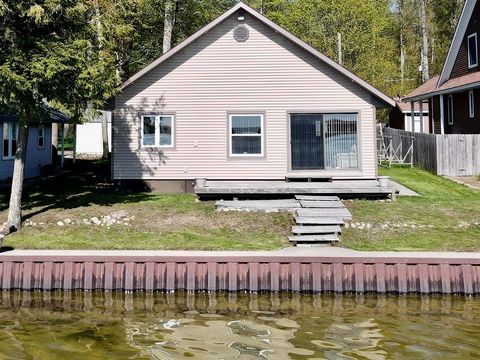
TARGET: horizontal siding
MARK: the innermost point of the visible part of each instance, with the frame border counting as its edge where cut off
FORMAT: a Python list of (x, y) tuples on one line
[(36, 158), (460, 67), (216, 75)]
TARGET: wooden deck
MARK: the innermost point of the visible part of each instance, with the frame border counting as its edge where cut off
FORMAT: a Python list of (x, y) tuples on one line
[(340, 188)]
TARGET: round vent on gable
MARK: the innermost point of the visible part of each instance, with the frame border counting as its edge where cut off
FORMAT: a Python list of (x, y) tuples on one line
[(241, 33)]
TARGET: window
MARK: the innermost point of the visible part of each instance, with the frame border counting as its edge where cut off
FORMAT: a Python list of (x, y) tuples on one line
[(471, 103), (324, 141), (450, 109), (246, 135), (41, 137), (158, 131), (472, 51), (10, 136)]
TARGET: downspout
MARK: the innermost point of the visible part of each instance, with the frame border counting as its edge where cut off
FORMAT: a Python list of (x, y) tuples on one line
[(442, 116)]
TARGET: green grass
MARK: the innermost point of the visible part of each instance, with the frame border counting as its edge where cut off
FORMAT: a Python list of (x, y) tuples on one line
[(443, 218), (162, 221)]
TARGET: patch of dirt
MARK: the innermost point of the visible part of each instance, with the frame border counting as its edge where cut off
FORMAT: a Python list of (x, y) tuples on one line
[(470, 181)]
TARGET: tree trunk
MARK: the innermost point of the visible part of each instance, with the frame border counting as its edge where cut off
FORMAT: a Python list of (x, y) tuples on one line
[(170, 10), (106, 149), (14, 221), (423, 16)]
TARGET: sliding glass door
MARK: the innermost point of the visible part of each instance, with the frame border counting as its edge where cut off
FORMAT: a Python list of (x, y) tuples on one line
[(324, 141)]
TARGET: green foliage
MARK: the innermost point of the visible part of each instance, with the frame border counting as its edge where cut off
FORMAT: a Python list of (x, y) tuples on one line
[(46, 54)]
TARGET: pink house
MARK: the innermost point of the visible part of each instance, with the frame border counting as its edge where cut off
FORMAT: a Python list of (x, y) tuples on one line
[(243, 99)]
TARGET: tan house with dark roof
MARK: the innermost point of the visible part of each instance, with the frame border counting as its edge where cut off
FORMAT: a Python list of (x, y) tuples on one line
[(454, 95)]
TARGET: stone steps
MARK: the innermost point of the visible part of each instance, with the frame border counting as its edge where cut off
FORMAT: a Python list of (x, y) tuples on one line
[(317, 220)]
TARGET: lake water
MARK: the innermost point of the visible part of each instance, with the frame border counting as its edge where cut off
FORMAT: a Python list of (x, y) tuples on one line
[(89, 325)]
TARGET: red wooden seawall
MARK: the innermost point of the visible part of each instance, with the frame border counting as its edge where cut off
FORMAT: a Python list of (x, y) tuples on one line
[(210, 272)]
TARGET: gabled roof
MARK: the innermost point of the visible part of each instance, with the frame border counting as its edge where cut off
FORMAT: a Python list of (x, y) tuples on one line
[(457, 41), (54, 116), (241, 6)]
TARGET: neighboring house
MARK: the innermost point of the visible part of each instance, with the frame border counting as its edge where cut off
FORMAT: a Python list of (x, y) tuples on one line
[(244, 99), (401, 117), (89, 139), (39, 148), (454, 96)]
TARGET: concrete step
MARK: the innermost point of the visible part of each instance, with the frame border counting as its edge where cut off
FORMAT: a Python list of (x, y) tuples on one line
[(315, 220), (322, 204), (341, 213), (317, 198), (327, 245), (320, 229), (313, 238)]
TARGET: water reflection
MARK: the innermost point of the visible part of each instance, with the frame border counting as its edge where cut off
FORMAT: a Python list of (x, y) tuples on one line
[(236, 326)]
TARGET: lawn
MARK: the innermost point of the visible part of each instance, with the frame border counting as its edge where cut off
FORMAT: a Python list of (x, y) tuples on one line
[(156, 221), (446, 217)]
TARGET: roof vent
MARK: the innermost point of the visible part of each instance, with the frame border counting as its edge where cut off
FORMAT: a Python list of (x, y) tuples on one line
[(241, 33)]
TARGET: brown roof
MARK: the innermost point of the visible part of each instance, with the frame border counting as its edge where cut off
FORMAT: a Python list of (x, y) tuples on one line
[(430, 88), (405, 106), (425, 88)]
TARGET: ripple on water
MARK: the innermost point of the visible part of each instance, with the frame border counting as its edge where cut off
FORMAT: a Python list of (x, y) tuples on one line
[(228, 326)]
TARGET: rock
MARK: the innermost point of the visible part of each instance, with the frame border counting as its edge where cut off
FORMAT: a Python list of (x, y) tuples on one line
[(197, 201), (347, 225), (96, 220), (60, 223), (369, 226), (118, 215), (67, 221), (353, 225)]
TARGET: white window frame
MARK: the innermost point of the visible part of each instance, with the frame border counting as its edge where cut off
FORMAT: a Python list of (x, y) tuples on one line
[(450, 109), (42, 127), (470, 65), (471, 104), (157, 131), (11, 152), (231, 135)]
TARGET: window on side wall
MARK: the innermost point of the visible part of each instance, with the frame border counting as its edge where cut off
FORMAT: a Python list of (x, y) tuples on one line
[(41, 137), (158, 131), (10, 136), (471, 103), (246, 135), (450, 109), (472, 51)]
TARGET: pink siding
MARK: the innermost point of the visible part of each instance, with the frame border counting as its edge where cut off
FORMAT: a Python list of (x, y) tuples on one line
[(216, 75)]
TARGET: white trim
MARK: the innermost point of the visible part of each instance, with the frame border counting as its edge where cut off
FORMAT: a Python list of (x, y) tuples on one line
[(157, 118), (470, 65), (42, 127), (231, 135), (10, 126), (450, 109), (457, 41), (471, 104)]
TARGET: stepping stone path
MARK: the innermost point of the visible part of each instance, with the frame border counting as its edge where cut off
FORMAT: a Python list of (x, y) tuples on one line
[(319, 220)]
